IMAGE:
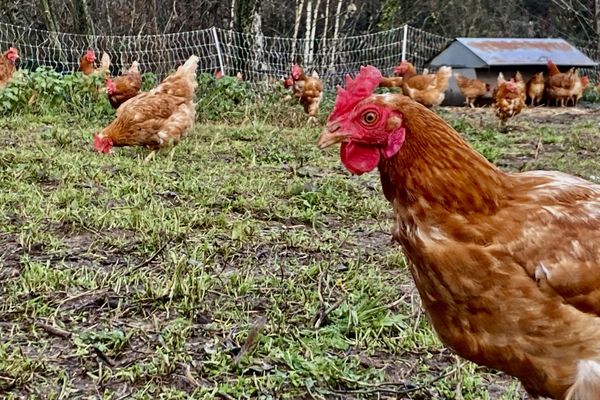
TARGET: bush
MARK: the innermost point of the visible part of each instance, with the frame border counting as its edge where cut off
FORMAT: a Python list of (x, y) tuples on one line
[(45, 91), (592, 94)]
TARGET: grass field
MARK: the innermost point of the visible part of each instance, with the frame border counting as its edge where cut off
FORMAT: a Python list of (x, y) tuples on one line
[(245, 263)]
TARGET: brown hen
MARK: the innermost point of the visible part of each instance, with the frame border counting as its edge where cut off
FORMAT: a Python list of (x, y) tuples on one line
[(507, 265), (124, 87), (156, 118)]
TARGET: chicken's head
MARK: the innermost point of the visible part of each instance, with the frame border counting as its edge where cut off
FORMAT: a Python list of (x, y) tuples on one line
[(511, 86), (102, 144), (110, 86), (12, 54), (585, 80), (296, 72), (368, 126), (401, 69), (288, 82), (90, 55)]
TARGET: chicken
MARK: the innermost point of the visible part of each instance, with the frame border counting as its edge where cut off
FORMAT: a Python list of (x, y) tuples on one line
[(471, 88), (104, 68), (87, 63), (124, 87), (419, 82), (535, 88), (156, 118), (521, 86), (8, 65), (219, 74), (288, 82), (578, 90), (560, 86), (309, 90), (432, 95), (508, 99), (391, 81), (507, 265)]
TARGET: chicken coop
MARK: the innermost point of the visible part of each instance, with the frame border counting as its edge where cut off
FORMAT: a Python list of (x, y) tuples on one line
[(484, 58)]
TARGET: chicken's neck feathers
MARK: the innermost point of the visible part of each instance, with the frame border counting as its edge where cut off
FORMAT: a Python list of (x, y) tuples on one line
[(437, 167)]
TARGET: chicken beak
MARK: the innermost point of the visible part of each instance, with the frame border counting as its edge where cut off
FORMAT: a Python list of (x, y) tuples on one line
[(332, 135)]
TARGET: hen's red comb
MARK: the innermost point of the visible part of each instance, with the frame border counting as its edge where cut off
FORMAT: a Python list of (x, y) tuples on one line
[(296, 71), (356, 90)]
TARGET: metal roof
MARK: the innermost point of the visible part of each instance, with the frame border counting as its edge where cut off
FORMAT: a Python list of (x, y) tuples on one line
[(490, 52)]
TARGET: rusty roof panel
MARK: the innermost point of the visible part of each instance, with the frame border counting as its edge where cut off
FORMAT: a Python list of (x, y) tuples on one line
[(509, 51)]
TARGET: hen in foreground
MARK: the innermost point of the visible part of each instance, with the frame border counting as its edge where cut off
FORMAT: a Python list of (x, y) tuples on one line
[(507, 265), (156, 118)]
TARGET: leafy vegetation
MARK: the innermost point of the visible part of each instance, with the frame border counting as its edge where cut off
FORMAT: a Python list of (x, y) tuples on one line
[(45, 91)]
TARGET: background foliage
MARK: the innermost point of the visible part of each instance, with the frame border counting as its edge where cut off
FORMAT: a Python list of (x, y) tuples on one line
[(578, 20)]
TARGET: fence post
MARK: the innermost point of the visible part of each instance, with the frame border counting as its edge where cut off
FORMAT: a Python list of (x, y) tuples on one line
[(218, 45), (404, 39)]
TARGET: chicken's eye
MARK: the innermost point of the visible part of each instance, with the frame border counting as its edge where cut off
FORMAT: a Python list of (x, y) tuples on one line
[(369, 118)]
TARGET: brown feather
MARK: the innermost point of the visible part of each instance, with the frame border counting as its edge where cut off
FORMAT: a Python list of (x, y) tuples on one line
[(7, 69), (126, 86), (159, 117), (507, 265)]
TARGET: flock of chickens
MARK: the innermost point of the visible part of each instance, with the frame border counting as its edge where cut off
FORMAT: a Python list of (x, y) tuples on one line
[(507, 264), (509, 96)]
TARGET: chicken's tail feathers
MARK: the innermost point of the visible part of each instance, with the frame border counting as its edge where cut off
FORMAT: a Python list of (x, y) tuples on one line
[(190, 66), (442, 76), (104, 63), (135, 68), (183, 82), (587, 381)]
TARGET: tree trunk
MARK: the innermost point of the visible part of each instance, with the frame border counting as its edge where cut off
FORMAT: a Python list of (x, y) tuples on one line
[(48, 16), (82, 18), (326, 24), (52, 26), (597, 24), (248, 22), (308, 24), (336, 33), (299, 8), (154, 11), (232, 15), (313, 32), (258, 47), (246, 10)]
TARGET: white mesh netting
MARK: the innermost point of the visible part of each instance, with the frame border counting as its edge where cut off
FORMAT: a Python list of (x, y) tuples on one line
[(260, 59), (272, 57)]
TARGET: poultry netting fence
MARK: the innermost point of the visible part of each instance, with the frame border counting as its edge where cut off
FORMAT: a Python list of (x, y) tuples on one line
[(260, 59)]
